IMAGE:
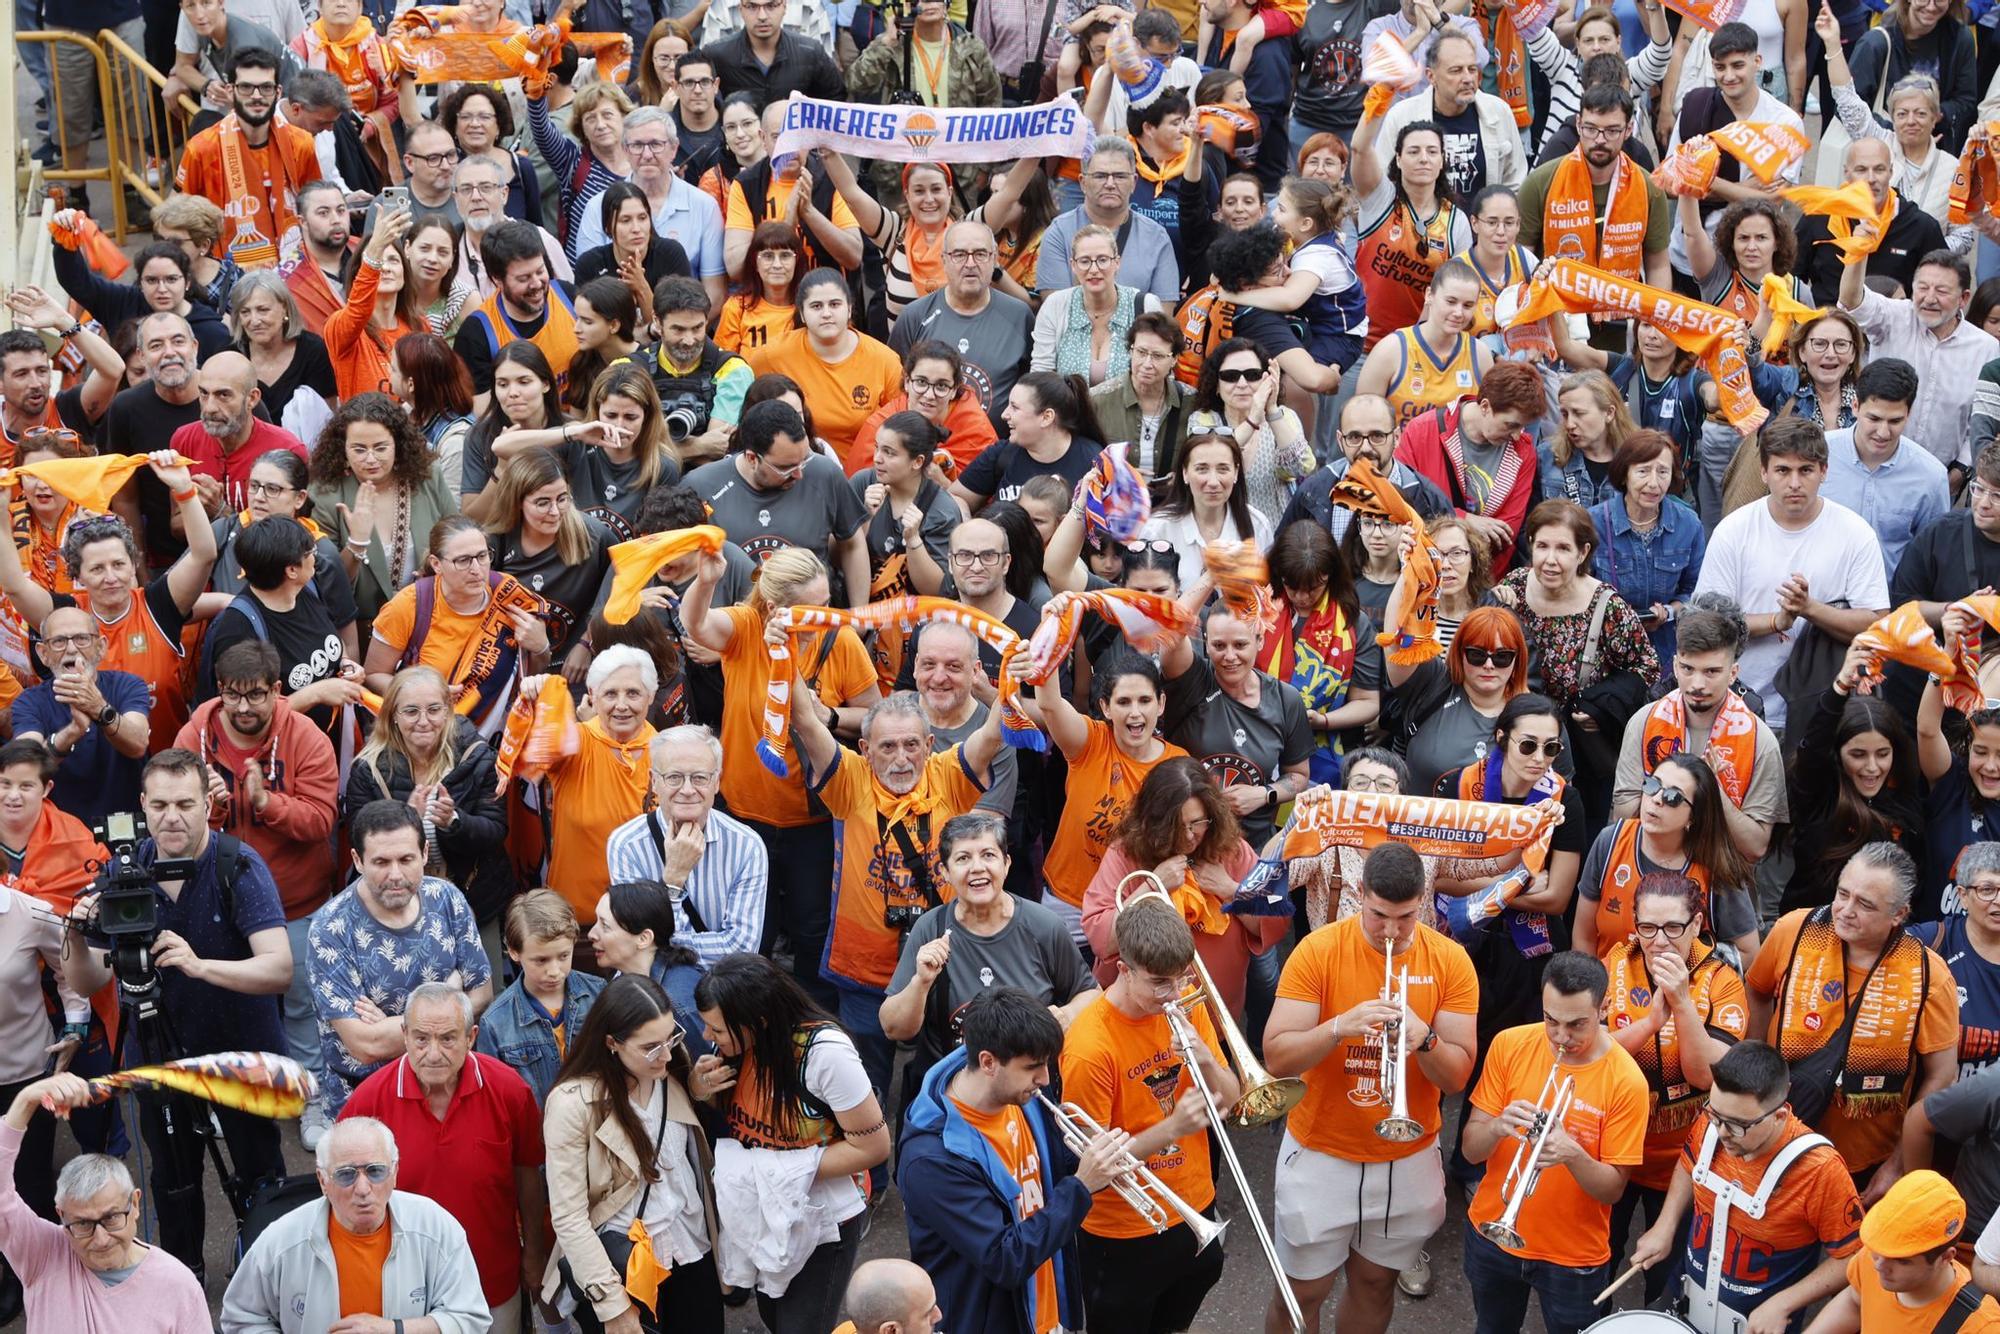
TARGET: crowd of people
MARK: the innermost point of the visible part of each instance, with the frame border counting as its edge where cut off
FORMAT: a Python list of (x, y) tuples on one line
[(1055, 551)]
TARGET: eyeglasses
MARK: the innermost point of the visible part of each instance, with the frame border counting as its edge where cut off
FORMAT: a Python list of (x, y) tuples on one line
[(782, 474), (162, 280), (1107, 177), (969, 256), (1841, 346), (777, 255), (1671, 930), (1093, 262), (63, 643), (1734, 1126), (1670, 797), (1239, 375), (1158, 544), (1527, 746), (1456, 555), (385, 450), (254, 698), (480, 188), (549, 504), (469, 562), (410, 713), (477, 118), (1150, 354), (655, 1051), (697, 84), (83, 1229), (256, 89), (919, 387), (345, 1177), (1368, 439), (1503, 658), (1984, 893), (675, 780), (435, 161), (271, 489), (984, 559), (1508, 221), (646, 147), (1602, 134), (1984, 494)]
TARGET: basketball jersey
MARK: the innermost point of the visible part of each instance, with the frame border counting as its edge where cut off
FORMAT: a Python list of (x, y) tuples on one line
[(1514, 270), (1430, 379), (1397, 258)]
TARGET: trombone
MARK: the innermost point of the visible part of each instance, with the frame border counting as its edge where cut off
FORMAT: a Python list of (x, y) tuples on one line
[(1266, 1097), (1136, 1183), (1393, 1081), (1525, 1171)]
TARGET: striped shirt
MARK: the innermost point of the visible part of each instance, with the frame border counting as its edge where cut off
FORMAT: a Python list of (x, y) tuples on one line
[(726, 887), (1565, 73), (563, 154)]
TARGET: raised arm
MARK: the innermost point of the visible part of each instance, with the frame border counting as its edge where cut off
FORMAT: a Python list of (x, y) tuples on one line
[(706, 624), (189, 575), (29, 598), (867, 211)]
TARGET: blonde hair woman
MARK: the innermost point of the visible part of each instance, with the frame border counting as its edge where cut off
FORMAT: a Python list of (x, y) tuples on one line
[(1594, 423), (194, 223), (553, 548)]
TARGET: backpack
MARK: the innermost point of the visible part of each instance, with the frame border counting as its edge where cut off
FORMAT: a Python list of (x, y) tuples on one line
[(1206, 322)]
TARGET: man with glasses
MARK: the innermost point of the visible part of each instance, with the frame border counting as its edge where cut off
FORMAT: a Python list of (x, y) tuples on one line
[(715, 866), (223, 961), (273, 775), (481, 195), (421, 929), (992, 331), (89, 1269), (1959, 554), (1367, 429), (1777, 1194), (1146, 251), (474, 1133), (1595, 205), (94, 720), (681, 212), (249, 165), (325, 1266), (766, 56), (776, 492), (697, 122), (429, 158)]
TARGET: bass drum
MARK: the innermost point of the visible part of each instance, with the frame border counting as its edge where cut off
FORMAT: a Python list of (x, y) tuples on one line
[(1640, 1322)]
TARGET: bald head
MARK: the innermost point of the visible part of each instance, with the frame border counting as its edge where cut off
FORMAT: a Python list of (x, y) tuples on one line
[(229, 394), (1368, 424), (1868, 161), (891, 1297), (971, 275)]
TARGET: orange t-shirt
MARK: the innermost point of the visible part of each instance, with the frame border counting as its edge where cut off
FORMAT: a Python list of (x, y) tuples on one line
[(752, 791), (1336, 968), (1126, 1073), (450, 633), (1883, 1312), (1813, 1208), (358, 1260), (1717, 992), (275, 171), (1013, 1142), (841, 394), (1561, 1223), (750, 324), (1866, 1140), (1103, 783), (590, 794), (137, 643), (736, 214), (872, 875)]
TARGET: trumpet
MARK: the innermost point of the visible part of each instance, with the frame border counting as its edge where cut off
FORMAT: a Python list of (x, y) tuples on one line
[(1265, 1097), (1393, 1081), (1137, 1184), (1524, 1172)]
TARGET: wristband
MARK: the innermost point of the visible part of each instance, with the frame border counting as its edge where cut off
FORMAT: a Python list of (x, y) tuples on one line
[(183, 497), (71, 332), (77, 1031), (360, 544)]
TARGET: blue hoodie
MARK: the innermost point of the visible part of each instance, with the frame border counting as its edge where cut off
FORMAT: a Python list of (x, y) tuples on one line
[(960, 1206)]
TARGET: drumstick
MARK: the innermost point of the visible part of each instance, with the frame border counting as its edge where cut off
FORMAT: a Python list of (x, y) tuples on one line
[(1616, 1284)]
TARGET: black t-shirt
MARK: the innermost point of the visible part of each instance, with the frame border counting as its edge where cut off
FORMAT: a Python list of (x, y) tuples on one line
[(1269, 330), (138, 422), (571, 590), (1003, 467), (611, 492), (310, 369), (699, 150), (1464, 155), (1237, 744), (306, 638), (1329, 83), (1937, 565)]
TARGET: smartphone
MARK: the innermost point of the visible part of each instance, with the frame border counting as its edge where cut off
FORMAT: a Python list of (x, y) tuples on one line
[(394, 197)]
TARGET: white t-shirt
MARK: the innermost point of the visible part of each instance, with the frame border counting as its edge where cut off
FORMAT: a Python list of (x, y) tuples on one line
[(835, 1076), (1182, 75), (1749, 556), (1185, 534), (673, 1205)]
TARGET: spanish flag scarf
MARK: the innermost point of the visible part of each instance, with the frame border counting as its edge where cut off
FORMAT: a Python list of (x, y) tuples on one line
[(1732, 740), (1813, 1006), (1569, 218), (1675, 1101), (1312, 650)]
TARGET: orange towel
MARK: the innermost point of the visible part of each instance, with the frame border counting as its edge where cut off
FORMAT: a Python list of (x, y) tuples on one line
[(634, 563), (1904, 636), (1786, 311), (1842, 208), (541, 732), (91, 482)]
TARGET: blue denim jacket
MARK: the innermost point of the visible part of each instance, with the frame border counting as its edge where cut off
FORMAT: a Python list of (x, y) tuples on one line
[(1571, 481), (1663, 571), (513, 1031)]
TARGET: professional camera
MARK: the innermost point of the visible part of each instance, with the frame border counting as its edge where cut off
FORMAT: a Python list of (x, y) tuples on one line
[(684, 416), (127, 909), (901, 917)]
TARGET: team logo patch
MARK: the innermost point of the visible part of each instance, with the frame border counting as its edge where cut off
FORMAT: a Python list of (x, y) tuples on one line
[(920, 129)]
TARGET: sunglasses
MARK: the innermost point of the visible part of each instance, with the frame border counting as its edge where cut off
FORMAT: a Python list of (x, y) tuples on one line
[(1503, 658), (1239, 375), (1159, 544), (1670, 797), (1527, 746), (345, 1177)]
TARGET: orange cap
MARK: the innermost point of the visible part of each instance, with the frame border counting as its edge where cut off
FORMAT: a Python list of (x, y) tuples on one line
[(1920, 1213)]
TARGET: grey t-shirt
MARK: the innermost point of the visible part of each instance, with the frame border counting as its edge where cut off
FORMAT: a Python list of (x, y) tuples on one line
[(1730, 907), (814, 512), (1967, 1112), (885, 534), (1441, 729), (1764, 801), (1005, 776), (1033, 952), (611, 492), (1236, 744), (995, 343)]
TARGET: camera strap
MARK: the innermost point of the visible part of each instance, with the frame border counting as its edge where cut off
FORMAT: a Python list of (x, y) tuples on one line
[(658, 828), (913, 856)]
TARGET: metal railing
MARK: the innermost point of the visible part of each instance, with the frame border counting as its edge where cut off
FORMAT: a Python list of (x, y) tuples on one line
[(72, 159), (151, 136)]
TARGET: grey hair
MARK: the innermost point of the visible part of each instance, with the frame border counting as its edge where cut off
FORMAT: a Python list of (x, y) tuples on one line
[(1445, 34), (345, 1129), (616, 659), (1110, 143), (318, 90), (1388, 759), (270, 284), (687, 734), (1975, 860), (1916, 85), (89, 1175), (439, 993), (644, 116), (1890, 857), (949, 628), (904, 703), (468, 164)]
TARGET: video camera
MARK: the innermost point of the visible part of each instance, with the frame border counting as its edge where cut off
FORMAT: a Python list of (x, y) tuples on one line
[(127, 920)]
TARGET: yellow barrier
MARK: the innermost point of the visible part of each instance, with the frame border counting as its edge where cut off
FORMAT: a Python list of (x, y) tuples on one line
[(110, 173), (150, 136)]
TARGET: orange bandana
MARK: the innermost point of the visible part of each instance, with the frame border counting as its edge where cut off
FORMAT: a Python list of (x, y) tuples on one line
[(1569, 218), (1415, 611), (91, 481), (1710, 14), (1842, 208), (1904, 636), (1716, 338), (1786, 312), (633, 564), (85, 235)]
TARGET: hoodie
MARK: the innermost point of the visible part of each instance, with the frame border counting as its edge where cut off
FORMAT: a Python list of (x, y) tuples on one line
[(960, 1206)]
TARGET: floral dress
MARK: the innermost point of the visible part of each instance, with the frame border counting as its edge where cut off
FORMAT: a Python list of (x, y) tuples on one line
[(1556, 644)]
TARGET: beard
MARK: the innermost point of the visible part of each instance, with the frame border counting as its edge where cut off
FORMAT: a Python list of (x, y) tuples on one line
[(255, 118)]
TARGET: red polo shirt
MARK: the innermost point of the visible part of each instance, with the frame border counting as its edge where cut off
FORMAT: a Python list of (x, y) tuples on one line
[(465, 1162), (232, 469)]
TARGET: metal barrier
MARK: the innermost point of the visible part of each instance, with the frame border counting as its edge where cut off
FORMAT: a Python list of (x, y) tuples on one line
[(110, 173), (151, 136)]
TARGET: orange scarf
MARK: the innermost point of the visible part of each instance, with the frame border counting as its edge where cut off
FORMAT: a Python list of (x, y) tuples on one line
[(1732, 740), (1630, 999), (41, 550), (419, 45), (1415, 612), (1766, 147), (1962, 691), (1323, 818), (1710, 14), (1510, 54), (1787, 311), (103, 254), (1240, 575), (1842, 208), (248, 246), (1715, 337), (633, 564), (1904, 636), (1569, 218), (360, 60), (1689, 170), (1975, 184), (1812, 1006), (541, 733)]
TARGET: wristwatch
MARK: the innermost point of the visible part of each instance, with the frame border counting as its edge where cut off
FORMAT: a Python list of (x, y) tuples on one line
[(1272, 789), (1430, 1041), (107, 715)]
